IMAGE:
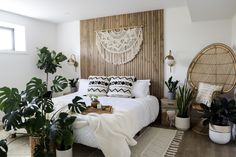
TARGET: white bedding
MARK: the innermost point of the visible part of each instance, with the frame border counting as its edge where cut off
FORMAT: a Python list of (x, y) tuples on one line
[(129, 116)]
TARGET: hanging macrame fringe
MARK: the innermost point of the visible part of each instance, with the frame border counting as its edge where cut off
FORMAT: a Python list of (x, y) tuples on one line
[(119, 47)]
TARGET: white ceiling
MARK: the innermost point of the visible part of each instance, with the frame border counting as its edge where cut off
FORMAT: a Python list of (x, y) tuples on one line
[(201, 10), (58, 11)]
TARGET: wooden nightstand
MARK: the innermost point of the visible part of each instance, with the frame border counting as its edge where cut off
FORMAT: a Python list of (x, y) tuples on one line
[(167, 105)]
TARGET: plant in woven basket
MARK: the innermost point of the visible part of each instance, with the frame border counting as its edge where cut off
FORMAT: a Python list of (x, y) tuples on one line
[(3, 148), (28, 109), (172, 86), (184, 98)]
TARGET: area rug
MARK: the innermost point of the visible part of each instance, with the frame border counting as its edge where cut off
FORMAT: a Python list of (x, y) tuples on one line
[(157, 142), (153, 142)]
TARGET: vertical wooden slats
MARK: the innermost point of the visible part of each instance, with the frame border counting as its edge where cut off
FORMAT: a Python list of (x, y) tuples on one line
[(148, 64)]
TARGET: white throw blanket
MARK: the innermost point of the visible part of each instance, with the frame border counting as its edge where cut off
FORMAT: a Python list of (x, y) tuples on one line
[(114, 132)]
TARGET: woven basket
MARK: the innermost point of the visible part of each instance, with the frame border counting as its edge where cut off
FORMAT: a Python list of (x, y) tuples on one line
[(215, 64)]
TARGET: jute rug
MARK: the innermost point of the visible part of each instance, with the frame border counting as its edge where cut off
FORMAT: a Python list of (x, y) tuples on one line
[(153, 142), (157, 142)]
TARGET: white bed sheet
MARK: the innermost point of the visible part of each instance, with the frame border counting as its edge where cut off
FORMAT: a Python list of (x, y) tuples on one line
[(140, 112)]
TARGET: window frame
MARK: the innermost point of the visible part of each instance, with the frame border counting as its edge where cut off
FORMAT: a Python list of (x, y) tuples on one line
[(13, 37)]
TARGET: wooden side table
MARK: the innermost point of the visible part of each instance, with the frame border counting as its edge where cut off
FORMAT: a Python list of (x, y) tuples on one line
[(167, 105)]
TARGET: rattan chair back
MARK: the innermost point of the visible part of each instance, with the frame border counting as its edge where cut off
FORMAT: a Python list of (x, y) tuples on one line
[(215, 64)]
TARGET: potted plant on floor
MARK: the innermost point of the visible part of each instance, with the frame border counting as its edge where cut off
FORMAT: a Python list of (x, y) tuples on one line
[(73, 85), (172, 86), (219, 116), (184, 98), (29, 109), (49, 61), (3, 148), (61, 134)]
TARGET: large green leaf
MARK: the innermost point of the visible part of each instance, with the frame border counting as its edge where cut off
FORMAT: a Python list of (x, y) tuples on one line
[(12, 120), (77, 106), (59, 84), (46, 104), (3, 148), (30, 110), (10, 99), (35, 88)]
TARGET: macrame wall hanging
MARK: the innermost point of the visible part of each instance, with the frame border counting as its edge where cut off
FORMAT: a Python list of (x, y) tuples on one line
[(119, 46)]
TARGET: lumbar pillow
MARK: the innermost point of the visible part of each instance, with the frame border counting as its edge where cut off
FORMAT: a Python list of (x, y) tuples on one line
[(205, 93), (141, 88), (98, 85), (121, 86)]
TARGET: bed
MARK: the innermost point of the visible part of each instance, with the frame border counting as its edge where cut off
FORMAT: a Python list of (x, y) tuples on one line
[(129, 114)]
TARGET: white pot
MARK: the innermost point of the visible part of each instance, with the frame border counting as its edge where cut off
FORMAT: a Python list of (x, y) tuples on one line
[(220, 134), (64, 153), (182, 123)]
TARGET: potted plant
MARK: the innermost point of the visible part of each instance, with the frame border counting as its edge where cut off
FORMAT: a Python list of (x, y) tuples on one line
[(3, 148), (184, 98), (29, 109), (219, 116), (172, 86), (73, 85), (49, 61), (94, 100), (62, 134)]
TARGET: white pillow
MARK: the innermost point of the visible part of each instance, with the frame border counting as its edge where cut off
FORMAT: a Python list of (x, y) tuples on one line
[(141, 88), (83, 86), (98, 85), (205, 93)]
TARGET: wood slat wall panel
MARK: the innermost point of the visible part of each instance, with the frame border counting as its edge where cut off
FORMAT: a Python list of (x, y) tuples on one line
[(148, 64)]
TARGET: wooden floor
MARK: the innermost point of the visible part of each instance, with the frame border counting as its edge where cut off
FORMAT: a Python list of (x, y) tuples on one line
[(193, 145)]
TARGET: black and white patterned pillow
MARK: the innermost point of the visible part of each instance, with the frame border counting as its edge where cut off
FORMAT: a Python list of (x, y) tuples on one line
[(121, 86), (98, 85)]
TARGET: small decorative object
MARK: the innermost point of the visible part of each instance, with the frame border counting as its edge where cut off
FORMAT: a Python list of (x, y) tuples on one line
[(171, 117), (219, 116), (172, 86), (73, 85), (121, 45), (99, 106), (72, 61), (94, 99), (184, 98), (3, 148), (170, 60)]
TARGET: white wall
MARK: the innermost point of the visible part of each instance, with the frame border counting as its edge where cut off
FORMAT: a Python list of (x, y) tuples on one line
[(68, 41), (234, 32), (17, 69), (186, 38)]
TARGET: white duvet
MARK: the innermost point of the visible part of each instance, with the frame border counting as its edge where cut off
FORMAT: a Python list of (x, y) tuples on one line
[(112, 133)]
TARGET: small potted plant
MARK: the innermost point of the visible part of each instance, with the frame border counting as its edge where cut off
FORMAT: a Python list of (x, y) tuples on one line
[(172, 86), (73, 85), (184, 98), (219, 116), (3, 148), (60, 130), (61, 134), (94, 100)]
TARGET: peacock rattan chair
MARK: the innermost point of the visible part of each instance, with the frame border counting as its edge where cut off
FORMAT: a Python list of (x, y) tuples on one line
[(215, 64)]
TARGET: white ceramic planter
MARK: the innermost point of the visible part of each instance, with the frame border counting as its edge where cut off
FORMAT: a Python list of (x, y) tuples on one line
[(64, 153), (220, 134), (182, 123)]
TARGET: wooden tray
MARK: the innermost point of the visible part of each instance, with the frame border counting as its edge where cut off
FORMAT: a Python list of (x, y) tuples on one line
[(105, 109)]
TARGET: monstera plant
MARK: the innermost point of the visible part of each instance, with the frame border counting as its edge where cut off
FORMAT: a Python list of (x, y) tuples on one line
[(49, 61), (28, 109)]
